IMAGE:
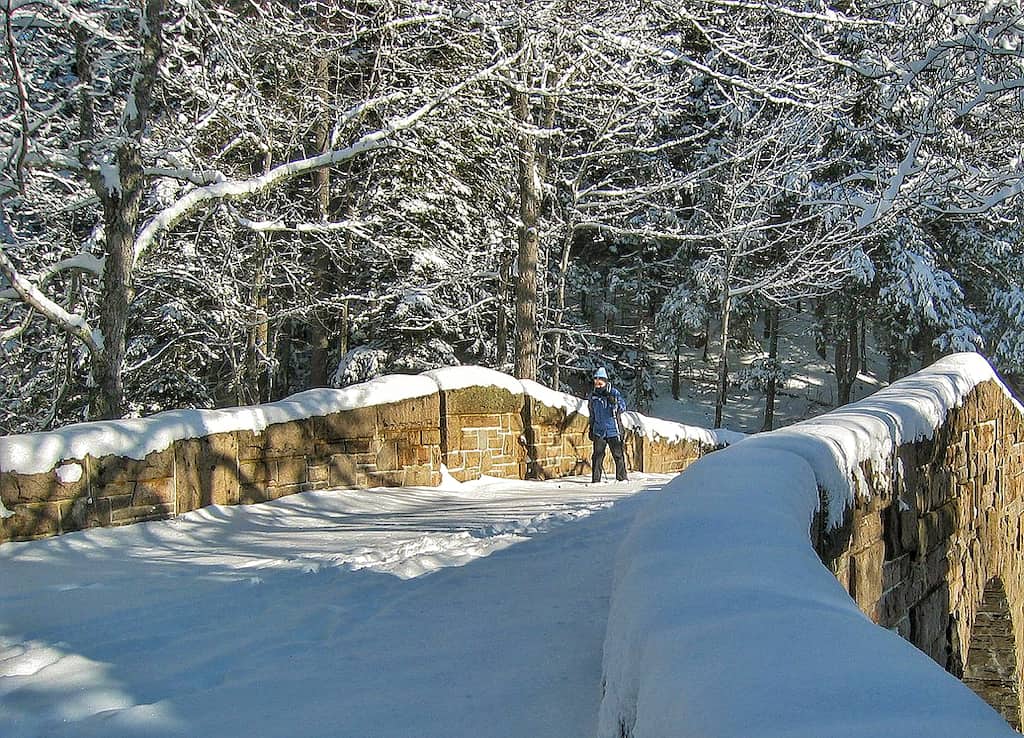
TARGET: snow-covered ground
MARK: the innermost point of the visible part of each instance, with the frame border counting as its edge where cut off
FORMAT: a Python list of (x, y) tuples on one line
[(467, 610), (809, 392)]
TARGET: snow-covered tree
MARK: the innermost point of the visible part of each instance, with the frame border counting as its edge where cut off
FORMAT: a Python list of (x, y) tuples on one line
[(949, 113), (167, 136), (207, 202), (924, 301), (1009, 350), (89, 159)]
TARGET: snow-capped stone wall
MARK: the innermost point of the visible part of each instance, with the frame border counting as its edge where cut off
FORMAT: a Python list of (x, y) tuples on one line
[(557, 430), (938, 527), (392, 431), (481, 423), (382, 433), (750, 594)]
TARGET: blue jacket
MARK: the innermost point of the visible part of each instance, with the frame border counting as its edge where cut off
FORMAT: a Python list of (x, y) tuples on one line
[(604, 405)]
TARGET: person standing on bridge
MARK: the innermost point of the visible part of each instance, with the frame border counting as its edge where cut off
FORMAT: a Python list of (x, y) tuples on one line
[(605, 404)]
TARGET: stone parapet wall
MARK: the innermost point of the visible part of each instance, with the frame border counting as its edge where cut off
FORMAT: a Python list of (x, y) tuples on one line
[(385, 445), (392, 444), (925, 536), (102, 492), (941, 522), (665, 457), (558, 439), (482, 429), (560, 444), (471, 421)]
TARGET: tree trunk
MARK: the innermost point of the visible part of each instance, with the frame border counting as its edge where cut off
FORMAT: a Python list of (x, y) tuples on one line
[(707, 338), (675, 374), (847, 356), (853, 329), (820, 342), (501, 316), (899, 360), (120, 216), (256, 379), (120, 220), (563, 267), (69, 345), (723, 362), (262, 345), (772, 328), (863, 345), (529, 245), (929, 351), (321, 328), (343, 330), (283, 347), (255, 384)]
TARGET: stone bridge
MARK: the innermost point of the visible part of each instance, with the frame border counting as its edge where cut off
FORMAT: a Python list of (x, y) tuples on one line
[(932, 549), (911, 498), (723, 624)]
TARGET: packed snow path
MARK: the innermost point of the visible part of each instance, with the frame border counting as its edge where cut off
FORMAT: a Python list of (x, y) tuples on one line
[(314, 616)]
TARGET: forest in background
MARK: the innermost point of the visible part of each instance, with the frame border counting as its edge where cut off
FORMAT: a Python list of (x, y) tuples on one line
[(216, 202)]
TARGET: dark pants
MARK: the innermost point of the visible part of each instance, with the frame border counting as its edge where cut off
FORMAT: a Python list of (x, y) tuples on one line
[(597, 460)]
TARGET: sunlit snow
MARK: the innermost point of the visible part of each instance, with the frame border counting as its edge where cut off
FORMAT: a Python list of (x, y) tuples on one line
[(473, 609)]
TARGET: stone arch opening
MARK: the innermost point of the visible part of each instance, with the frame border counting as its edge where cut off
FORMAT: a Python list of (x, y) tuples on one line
[(991, 669)]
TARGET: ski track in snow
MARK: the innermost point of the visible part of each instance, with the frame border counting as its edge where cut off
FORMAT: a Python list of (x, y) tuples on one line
[(313, 615)]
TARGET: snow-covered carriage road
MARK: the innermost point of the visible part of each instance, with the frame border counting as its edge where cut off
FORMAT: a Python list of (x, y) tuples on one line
[(467, 610)]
